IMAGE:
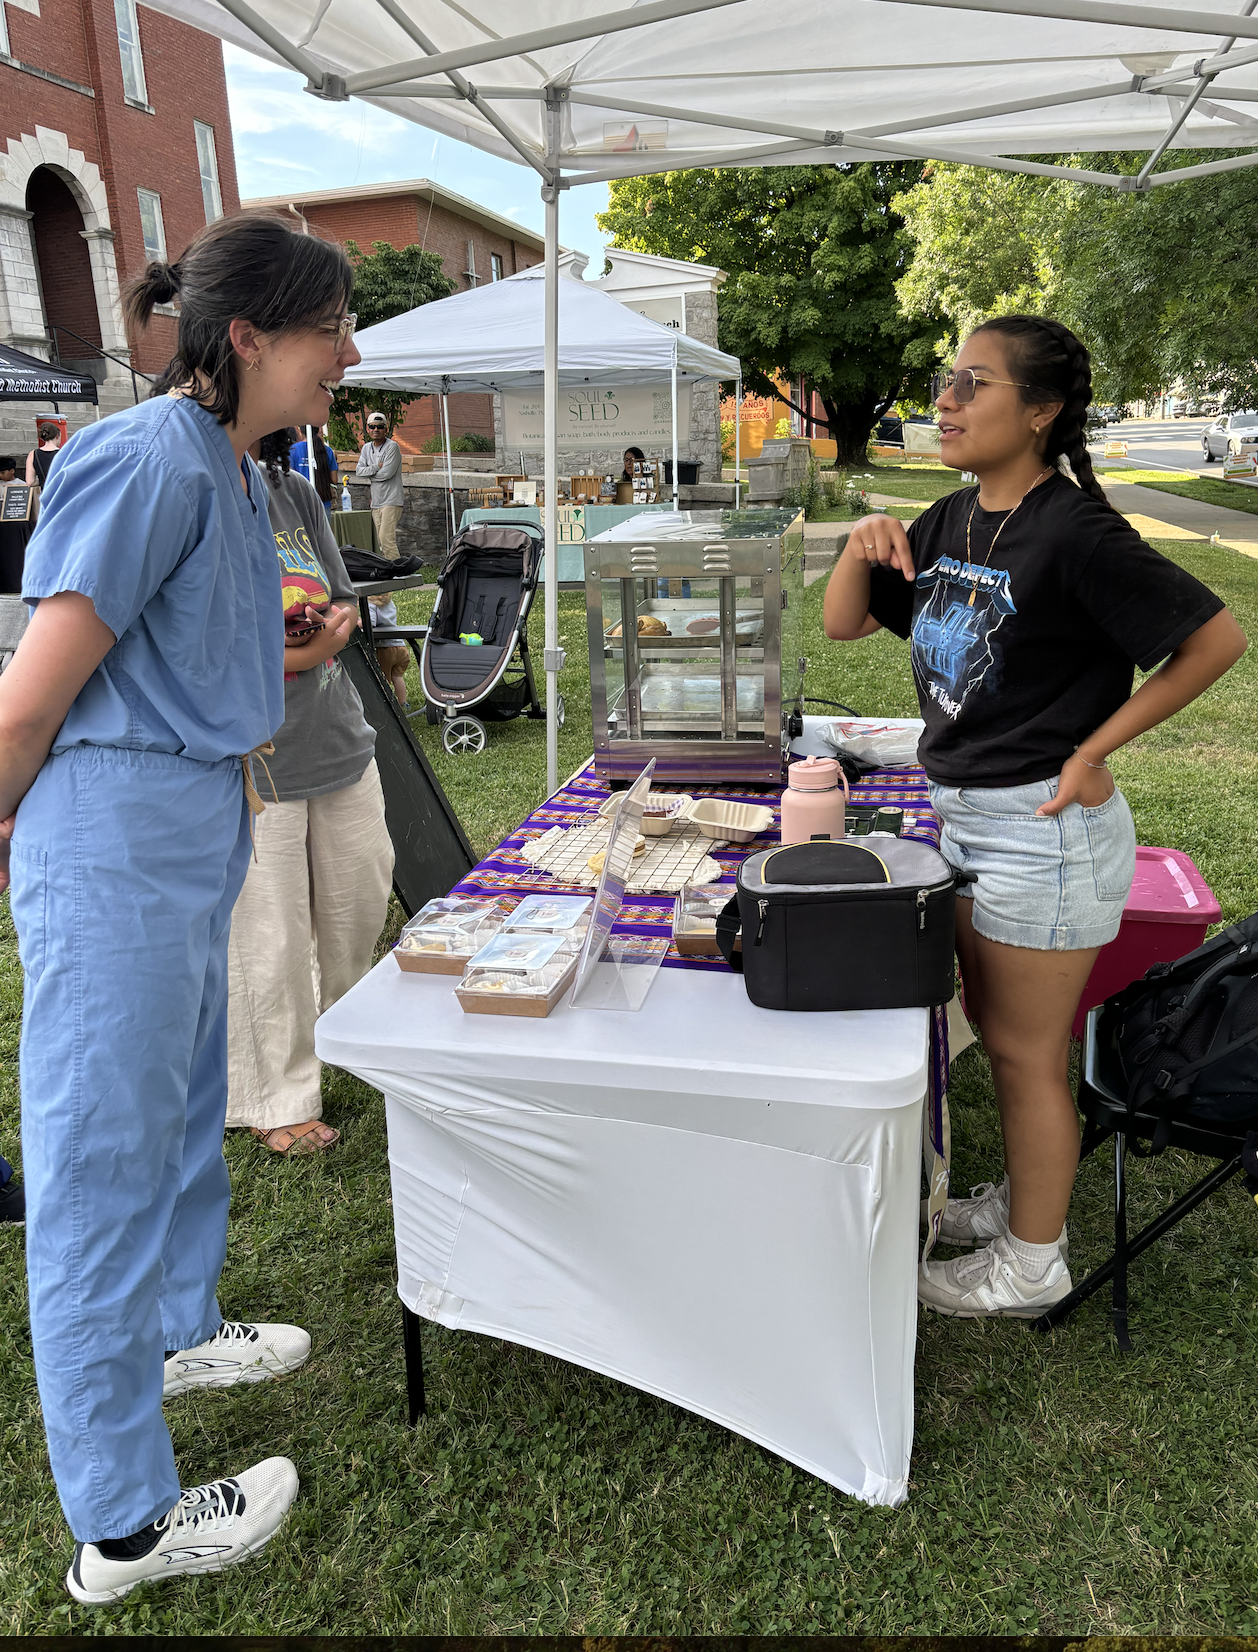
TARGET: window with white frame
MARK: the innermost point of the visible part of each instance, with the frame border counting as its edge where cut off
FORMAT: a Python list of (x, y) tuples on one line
[(4, 33), (151, 225), (495, 267), (129, 50), (207, 160)]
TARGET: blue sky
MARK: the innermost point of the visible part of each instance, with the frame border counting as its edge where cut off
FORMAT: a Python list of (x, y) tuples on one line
[(286, 139)]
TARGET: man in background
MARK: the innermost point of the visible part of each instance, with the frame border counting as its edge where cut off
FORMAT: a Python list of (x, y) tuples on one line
[(381, 462)]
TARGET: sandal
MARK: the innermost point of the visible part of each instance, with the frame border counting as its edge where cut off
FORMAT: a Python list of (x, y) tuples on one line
[(311, 1137)]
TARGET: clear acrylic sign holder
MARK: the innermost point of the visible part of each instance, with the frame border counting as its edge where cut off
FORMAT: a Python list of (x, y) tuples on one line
[(615, 972)]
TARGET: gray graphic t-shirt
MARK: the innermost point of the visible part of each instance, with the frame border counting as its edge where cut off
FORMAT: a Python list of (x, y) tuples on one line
[(326, 743)]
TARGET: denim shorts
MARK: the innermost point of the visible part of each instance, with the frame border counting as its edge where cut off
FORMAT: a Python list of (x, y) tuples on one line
[(1055, 883)]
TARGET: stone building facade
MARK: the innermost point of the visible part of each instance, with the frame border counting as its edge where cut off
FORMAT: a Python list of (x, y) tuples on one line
[(474, 245), (115, 141)]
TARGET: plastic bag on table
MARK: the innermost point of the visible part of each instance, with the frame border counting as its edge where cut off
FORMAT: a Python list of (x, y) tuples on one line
[(883, 745)]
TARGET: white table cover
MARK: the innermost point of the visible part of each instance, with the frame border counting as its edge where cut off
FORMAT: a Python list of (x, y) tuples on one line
[(712, 1202)]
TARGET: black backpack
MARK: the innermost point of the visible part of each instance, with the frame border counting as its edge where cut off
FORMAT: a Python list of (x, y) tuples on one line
[(1187, 1036), (364, 566)]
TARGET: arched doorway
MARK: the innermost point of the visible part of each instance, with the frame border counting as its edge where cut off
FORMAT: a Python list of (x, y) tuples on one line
[(65, 271)]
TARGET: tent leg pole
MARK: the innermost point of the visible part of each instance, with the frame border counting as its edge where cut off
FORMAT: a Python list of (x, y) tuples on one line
[(676, 474), (310, 456), (445, 425), (550, 481), (738, 441)]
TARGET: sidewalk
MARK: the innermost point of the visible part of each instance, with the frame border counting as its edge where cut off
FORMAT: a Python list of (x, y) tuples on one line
[(1158, 515)]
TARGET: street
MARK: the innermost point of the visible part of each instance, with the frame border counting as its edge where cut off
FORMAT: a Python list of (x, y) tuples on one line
[(1156, 444)]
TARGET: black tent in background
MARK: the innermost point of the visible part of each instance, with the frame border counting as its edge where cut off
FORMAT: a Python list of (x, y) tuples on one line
[(25, 378)]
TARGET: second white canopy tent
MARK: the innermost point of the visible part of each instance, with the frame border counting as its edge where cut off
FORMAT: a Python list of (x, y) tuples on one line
[(493, 339)]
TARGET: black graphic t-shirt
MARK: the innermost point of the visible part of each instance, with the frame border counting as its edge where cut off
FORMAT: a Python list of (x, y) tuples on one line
[(1017, 663)]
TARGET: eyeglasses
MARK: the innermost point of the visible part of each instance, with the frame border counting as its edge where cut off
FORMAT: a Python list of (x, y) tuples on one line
[(962, 383), (342, 330)]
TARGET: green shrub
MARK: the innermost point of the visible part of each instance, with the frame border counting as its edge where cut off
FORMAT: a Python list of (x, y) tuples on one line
[(468, 442)]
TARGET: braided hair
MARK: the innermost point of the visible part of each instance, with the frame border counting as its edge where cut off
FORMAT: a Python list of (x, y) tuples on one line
[(1056, 367)]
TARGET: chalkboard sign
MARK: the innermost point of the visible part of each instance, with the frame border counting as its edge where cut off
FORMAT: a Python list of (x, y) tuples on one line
[(430, 849), (16, 505)]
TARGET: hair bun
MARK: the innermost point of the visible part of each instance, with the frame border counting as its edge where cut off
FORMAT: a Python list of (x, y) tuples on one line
[(162, 282)]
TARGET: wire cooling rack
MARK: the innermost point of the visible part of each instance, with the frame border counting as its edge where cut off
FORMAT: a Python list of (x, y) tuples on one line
[(666, 865)]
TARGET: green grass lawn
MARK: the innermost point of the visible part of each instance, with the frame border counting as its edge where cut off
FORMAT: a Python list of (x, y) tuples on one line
[(1211, 490), (1057, 1486)]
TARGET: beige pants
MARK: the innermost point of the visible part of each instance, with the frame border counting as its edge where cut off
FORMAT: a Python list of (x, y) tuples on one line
[(386, 518), (303, 930)]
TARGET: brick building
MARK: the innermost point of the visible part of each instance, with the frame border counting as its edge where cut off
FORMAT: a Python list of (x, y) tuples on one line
[(473, 244), (115, 147)]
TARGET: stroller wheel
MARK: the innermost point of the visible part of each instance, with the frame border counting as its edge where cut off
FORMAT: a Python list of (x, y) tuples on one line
[(432, 713), (559, 711), (463, 736)]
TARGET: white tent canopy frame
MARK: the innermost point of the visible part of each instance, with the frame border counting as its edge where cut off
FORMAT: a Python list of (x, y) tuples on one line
[(492, 338), (582, 94)]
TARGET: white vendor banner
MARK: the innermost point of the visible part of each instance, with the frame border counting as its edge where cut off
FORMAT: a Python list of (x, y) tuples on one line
[(638, 415)]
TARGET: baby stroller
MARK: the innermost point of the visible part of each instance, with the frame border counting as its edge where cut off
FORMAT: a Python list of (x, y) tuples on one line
[(485, 592)]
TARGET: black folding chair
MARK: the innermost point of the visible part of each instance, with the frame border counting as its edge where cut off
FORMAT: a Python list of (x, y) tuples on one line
[(1102, 1090)]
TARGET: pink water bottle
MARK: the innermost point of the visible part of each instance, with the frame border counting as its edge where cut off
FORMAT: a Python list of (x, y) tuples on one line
[(812, 803)]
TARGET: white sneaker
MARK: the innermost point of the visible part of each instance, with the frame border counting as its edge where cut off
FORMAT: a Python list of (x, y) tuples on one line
[(982, 1217), (990, 1284), (237, 1353), (210, 1527)]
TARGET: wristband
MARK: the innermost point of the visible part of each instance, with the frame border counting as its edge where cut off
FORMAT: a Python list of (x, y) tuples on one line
[(1104, 764)]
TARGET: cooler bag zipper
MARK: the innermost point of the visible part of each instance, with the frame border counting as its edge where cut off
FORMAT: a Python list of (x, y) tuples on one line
[(878, 891)]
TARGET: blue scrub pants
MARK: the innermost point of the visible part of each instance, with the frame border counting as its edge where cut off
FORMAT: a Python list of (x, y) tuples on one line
[(125, 867)]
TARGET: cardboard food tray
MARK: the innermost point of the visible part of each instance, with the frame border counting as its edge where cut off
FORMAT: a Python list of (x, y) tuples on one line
[(431, 963), (697, 946), (504, 1003)]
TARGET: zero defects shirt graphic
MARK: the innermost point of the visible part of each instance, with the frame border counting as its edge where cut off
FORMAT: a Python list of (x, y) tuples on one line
[(954, 638)]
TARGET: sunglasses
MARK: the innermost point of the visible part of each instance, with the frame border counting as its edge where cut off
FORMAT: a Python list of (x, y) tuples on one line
[(963, 382), (342, 330)]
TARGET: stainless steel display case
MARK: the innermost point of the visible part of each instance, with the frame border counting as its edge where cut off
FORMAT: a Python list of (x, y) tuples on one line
[(711, 704)]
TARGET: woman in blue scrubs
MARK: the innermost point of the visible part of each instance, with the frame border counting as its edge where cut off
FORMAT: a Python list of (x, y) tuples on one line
[(152, 668)]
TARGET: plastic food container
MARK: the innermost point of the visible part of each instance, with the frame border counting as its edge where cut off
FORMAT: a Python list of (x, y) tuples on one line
[(660, 813), (695, 912), (1167, 914), (517, 974), (720, 818), (564, 916), (442, 936)]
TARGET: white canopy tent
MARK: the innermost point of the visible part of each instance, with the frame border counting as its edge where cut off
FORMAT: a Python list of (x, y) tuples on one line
[(493, 338), (583, 94)]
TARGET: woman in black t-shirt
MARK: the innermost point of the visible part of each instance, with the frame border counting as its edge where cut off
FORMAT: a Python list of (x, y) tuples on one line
[(1029, 602)]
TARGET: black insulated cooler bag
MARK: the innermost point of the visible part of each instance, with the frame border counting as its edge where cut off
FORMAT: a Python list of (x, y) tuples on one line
[(830, 925)]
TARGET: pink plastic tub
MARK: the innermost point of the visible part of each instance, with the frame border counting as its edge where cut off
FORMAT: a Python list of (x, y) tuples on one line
[(1167, 914)]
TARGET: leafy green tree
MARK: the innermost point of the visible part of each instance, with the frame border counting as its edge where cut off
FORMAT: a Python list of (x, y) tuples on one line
[(388, 281), (1161, 285), (812, 255)]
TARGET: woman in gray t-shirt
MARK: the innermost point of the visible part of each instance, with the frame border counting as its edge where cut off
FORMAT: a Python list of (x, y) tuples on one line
[(315, 897)]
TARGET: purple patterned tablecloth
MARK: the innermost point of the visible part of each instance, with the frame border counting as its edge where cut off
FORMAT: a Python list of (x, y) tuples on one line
[(505, 872)]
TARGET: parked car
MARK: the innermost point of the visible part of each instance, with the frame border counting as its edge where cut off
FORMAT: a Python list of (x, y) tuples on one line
[(889, 431), (1183, 407), (1226, 434)]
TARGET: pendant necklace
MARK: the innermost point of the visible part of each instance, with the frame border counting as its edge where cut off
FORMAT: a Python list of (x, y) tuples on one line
[(1046, 472)]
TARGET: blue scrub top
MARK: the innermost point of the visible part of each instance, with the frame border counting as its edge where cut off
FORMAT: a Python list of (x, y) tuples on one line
[(145, 515)]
